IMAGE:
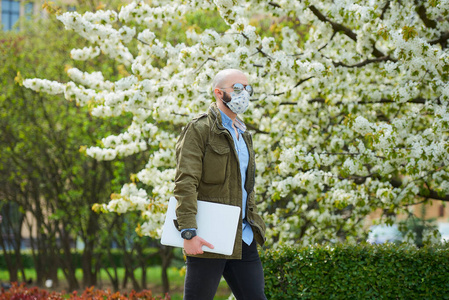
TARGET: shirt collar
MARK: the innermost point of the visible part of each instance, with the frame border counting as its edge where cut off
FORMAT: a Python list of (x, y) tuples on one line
[(227, 122)]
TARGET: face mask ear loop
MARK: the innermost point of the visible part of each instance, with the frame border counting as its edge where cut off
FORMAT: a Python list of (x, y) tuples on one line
[(225, 103)]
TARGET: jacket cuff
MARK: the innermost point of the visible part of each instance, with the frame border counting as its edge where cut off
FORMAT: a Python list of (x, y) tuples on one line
[(186, 212), (187, 222)]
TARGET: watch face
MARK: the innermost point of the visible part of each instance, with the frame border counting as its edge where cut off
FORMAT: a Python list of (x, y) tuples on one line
[(188, 234)]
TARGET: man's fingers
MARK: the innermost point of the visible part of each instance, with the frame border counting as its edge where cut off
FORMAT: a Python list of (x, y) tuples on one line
[(194, 246), (199, 250), (207, 244)]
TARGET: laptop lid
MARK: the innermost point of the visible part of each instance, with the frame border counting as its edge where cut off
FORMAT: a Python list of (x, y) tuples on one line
[(217, 224)]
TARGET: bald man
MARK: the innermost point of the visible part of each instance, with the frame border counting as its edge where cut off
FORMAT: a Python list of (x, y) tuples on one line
[(216, 163)]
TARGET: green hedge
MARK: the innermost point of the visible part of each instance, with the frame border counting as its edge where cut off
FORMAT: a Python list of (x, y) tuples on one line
[(117, 259), (357, 272)]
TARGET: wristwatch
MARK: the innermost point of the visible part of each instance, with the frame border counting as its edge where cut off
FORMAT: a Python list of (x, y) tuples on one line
[(188, 234)]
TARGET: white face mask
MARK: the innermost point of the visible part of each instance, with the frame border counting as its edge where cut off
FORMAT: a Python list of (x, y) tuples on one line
[(239, 102)]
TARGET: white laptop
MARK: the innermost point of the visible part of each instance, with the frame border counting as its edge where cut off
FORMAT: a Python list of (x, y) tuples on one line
[(217, 224)]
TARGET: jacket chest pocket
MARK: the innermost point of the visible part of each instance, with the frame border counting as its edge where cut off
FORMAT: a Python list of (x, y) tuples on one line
[(215, 164)]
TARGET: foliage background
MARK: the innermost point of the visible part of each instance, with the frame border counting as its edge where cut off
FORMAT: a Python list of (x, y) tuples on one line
[(350, 116), (48, 184)]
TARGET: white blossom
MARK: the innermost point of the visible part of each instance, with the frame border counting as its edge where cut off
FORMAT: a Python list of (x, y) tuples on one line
[(44, 85), (85, 53)]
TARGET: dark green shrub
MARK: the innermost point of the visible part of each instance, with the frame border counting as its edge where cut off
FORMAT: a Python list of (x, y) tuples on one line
[(116, 261), (357, 272)]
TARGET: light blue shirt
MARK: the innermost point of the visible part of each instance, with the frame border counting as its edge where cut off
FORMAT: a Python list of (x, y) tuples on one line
[(243, 157)]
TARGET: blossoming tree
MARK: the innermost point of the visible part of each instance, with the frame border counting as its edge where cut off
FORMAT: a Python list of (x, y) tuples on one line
[(349, 115)]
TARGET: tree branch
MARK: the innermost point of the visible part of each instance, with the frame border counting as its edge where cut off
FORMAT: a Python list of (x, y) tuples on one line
[(434, 195), (442, 40), (422, 13), (384, 10), (145, 43), (322, 100), (178, 114), (339, 27), (332, 37), (259, 50), (364, 63), (417, 203), (358, 179), (298, 84), (348, 154), (257, 130), (335, 26), (208, 59), (302, 81)]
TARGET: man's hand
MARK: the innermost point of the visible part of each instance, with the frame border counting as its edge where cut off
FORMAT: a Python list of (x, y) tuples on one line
[(193, 246)]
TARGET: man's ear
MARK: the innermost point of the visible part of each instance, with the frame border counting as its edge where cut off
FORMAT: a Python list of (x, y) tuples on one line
[(218, 93)]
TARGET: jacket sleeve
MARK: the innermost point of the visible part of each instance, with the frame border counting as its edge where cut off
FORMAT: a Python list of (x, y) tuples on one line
[(189, 159)]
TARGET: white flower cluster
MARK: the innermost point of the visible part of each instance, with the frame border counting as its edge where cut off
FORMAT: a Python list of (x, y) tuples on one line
[(44, 85), (130, 199), (93, 80), (108, 39), (85, 53), (142, 13)]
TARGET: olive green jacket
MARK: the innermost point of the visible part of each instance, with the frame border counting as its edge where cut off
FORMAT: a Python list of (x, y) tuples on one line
[(208, 169)]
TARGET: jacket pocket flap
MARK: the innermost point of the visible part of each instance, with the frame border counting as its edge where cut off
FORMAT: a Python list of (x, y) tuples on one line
[(219, 149)]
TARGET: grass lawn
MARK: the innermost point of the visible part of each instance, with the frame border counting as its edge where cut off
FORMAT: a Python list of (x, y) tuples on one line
[(154, 283)]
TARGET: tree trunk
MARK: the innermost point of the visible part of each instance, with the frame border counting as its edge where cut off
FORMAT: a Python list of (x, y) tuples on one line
[(166, 254), (129, 267), (112, 277), (17, 236), (69, 270), (12, 268), (89, 270), (52, 270), (10, 239), (89, 274)]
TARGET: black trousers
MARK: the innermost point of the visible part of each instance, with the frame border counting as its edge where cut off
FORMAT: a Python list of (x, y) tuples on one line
[(244, 276)]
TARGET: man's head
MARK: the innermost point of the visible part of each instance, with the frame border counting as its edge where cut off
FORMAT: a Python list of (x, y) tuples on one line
[(223, 86)]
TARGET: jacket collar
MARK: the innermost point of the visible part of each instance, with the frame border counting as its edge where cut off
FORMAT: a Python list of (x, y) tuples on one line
[(214, 112)]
